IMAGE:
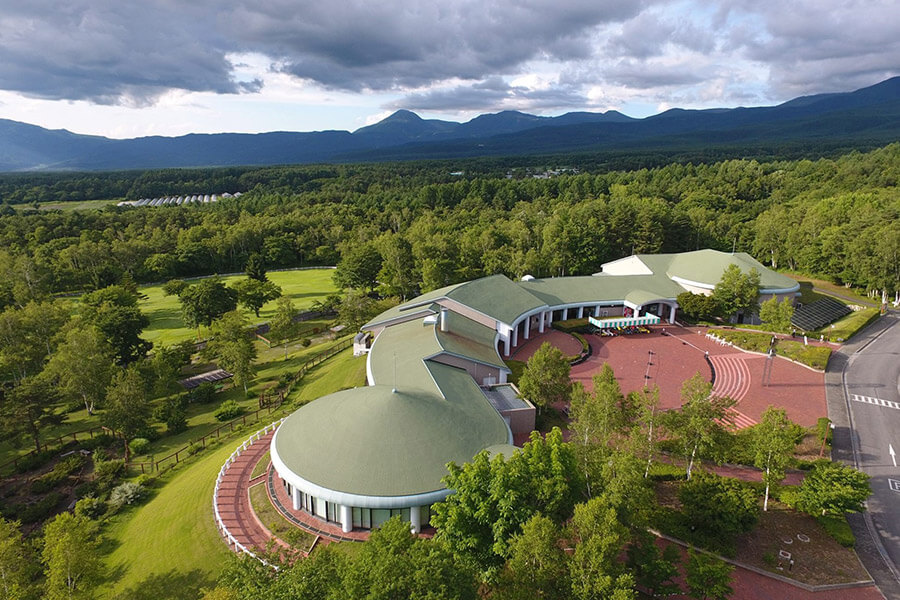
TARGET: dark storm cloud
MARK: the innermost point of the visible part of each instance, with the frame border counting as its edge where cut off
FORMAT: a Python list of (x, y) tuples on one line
[(108, 52), (114, 51), (123, 51), (404, 44), (492, 94)]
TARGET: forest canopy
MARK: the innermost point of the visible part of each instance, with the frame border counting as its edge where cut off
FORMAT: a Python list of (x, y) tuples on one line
[(424, 226)]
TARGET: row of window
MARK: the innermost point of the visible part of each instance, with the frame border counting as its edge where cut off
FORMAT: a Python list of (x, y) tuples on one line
[(365, 518)]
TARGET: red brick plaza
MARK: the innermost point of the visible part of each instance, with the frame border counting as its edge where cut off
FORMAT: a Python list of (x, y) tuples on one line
[(678, 353)]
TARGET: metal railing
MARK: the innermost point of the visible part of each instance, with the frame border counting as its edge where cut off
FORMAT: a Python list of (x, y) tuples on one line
[(232, 541)]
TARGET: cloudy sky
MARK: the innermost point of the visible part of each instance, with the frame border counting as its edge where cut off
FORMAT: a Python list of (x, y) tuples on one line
[(125, 68)]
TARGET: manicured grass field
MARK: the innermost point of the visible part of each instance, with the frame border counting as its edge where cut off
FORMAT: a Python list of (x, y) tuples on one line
[(171, 544), (166, 327)]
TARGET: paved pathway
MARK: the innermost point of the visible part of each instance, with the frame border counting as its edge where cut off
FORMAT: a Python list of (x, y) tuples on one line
[(233, 500), (732, 379)]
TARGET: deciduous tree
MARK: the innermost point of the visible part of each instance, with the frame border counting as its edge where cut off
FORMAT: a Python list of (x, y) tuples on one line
[(83, 365), (17, 567), (832, 488), (206, 301), (127, 410), (282, 327), (700, 422), (737, 291), (29, 407), (708, 578), (253, 293), (232, 347), (545, 379), (773, 443), (777, 315), (594, 570), (71, 557)]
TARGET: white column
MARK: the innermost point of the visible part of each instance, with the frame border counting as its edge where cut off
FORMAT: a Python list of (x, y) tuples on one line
[(295, 496), (672, 314), (580, 312), (515, 335), (549, 318), (597, 311), (506, 346), (565, 314), (346, 519), (527, 327), (541, 324), (415, 519)]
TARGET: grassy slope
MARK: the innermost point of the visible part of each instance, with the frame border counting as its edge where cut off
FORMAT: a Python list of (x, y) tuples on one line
[(166, 327), (173, 538)]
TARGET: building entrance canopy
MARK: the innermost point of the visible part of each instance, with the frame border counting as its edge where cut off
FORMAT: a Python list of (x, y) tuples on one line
[(623, 321)]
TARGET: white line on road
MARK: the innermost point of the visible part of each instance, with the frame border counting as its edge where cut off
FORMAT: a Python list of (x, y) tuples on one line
[(875, 401)]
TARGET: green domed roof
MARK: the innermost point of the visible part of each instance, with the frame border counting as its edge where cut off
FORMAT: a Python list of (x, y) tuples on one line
[(375, 442)]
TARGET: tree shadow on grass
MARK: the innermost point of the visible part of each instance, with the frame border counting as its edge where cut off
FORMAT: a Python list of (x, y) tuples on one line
[(172, 585)]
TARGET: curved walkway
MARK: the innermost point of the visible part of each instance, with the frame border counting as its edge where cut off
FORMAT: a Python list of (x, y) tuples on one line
[(243, 531)]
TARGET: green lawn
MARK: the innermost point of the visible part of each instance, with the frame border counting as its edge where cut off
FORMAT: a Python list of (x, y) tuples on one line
[(166, 327), (171, 544), (340, 372), (844, 328), (169, 547)]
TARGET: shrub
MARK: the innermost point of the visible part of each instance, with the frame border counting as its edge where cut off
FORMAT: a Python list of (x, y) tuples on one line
[(34, 461), (719, 507), (103, 440), (305, 342), (41, 509), (127, 493), (172, 413), (202, 394), (228, 410), (90, 507), (60, 473), (139, 445), (106, 472), (148, 480)]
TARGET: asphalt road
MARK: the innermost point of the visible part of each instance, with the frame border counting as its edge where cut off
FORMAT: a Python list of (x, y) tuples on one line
[(863, 390)]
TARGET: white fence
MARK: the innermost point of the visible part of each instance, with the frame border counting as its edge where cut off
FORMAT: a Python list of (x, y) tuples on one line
[(220, 524)]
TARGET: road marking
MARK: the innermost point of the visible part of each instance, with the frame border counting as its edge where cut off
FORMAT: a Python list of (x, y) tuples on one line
[(875, 401), (893, 454), (895, 485)]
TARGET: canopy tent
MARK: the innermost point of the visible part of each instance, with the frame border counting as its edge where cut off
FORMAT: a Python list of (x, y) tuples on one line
[(623, 321)]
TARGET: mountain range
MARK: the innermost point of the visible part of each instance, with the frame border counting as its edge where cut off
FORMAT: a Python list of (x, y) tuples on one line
[(869, 115)]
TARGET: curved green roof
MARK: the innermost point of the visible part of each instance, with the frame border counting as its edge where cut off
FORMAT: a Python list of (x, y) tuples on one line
[(707, 266), (375, 442)]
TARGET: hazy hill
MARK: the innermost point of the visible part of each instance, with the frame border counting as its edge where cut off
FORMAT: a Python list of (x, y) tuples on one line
[(870, 115)]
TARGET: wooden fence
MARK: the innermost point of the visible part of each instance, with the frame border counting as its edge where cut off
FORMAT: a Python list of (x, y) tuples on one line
[(57, 442), (265, 408)]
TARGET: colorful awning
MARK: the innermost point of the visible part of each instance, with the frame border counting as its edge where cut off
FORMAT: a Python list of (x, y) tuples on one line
[(613, 322)]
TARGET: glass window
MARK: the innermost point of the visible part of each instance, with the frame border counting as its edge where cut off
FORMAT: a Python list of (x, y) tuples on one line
[(379, 516)]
